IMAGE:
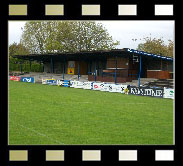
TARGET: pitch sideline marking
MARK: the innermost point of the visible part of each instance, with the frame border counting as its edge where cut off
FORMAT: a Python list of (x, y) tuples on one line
[(39, 133)]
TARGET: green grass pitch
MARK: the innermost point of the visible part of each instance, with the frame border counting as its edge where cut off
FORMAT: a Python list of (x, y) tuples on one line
[(52, 115)]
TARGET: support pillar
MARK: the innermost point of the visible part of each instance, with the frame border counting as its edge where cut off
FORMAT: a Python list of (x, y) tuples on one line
[(116, 71), (30, 67), (95, 70), (139, 71), (167, 65), (78, 71), (90, 66), (51, 65), (63, 70), (43, 66), (21, 67)]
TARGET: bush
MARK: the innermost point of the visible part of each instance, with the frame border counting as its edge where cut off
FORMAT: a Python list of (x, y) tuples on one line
[(35, 67)]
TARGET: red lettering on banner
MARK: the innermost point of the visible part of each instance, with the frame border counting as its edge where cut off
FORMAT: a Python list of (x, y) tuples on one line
[(95, 86), (15, 78)]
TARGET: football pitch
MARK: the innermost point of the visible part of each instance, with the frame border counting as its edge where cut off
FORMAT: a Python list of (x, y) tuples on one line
[(51, 115)]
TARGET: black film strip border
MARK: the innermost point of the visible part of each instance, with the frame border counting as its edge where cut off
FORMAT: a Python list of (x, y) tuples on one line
[(73, 154)]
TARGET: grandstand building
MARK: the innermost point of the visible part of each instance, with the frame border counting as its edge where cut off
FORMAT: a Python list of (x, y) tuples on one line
[(117, 65)]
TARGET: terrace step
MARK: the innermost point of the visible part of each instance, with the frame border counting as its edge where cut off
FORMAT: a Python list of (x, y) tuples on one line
[(169, 83), (152, 82)]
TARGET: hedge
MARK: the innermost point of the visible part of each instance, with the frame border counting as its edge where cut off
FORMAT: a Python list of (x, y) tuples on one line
[(26, 67)]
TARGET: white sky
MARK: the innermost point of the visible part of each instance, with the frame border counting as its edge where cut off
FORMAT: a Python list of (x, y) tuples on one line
[(123, 31)]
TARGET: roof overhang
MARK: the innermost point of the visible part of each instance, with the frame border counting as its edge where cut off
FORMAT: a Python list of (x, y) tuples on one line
[(149, 54), (89, 55)]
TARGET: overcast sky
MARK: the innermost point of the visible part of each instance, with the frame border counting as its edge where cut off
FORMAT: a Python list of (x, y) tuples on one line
[(123, 31)]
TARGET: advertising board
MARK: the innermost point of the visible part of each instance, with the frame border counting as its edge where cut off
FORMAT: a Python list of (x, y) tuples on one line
[(117, 88), (15, 78), (87, 85), (66, 83), (28, 79), (154, 92), (59, 82), (105, 87), (70, 71), (49, 81), (168, 93), (73, 84), (97, 86), (79, 84)]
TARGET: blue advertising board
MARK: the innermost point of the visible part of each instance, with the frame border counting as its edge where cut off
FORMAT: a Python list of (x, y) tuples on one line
[(66, 83), (27, 79), (51, 82)]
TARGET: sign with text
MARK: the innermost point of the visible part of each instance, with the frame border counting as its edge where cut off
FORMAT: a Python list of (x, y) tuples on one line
[(117, 88), (154, 92), (105, 87), (72, 84), (76, 84), (97, 86), (49, 81), (70, 71), (15, 78), (60, 82), (168, 93), (87, 85), (66, 83), (28, 79), (79, 84)]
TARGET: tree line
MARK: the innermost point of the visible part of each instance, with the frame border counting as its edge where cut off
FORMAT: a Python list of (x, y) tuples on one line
[(66, 36), (157, 46), (40, 37)]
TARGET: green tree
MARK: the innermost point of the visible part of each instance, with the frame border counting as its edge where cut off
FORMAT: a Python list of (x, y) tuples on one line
[(66, 36), (170, 48), (14, 63), (157, 46), (16, 49)]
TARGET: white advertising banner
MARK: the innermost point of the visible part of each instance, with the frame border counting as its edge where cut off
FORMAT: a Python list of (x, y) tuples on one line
[(97, 86), (72, 84), (117, 88), (87, 85), (78, 84), (168, 93), (43, 81), (59, 82), (105, 87)]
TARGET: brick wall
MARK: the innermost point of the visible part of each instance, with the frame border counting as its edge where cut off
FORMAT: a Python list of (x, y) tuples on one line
[(158, 74)]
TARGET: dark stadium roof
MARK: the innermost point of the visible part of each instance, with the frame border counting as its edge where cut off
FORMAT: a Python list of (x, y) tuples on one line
[(149, 54), (90, 55)]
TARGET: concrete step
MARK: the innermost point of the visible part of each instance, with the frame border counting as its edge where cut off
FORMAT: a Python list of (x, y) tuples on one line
[(162, 83)]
